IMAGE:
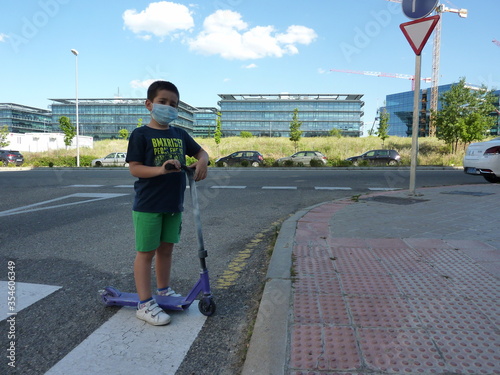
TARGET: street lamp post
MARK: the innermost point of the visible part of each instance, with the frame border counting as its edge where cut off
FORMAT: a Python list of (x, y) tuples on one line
[(75, 52)]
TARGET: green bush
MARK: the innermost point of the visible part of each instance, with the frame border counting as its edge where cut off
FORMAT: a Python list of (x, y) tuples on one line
[(245, 163), (316, 163), (288, 163)]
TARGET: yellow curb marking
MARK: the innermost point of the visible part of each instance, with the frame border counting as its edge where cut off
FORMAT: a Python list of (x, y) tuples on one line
[(238, 264)]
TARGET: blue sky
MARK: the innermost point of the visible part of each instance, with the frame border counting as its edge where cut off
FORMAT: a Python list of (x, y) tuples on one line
[(232, 46)]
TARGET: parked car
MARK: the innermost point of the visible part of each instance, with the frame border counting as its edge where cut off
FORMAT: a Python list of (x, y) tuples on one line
[(115, 159), (10, 156), (389, 157), (483, 159), (303, 158), (254, 158)]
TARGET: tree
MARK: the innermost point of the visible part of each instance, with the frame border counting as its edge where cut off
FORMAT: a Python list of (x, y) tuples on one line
[(218, 130), (335, 132), (295, 132), (68, 129), (245, 134), (123, 133), (4, 132), (383, 126), (465, 114)]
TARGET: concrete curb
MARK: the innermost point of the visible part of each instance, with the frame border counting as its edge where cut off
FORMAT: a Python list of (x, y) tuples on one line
[(267, 352)]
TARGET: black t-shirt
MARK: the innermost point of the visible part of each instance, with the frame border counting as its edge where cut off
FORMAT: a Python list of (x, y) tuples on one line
[(152, 147)]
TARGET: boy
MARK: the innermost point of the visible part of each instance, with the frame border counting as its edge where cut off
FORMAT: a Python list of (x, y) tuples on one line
[(158, 203)]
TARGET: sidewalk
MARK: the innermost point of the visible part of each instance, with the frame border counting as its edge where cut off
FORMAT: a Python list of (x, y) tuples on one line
[(385, 284)]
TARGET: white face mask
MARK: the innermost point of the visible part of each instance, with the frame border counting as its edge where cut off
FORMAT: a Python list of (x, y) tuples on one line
[(164, 114)]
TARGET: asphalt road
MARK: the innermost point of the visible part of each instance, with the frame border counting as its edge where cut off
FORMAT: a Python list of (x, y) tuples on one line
[(73, 228)]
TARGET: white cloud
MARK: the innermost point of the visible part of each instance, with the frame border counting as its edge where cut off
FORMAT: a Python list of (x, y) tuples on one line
[(3, 37), (160, 19), (226, 34), (250, 66), (137, 84)]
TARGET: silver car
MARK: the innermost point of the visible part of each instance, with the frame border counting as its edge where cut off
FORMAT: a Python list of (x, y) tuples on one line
[(304, 158), (483, 159), (115, 159)]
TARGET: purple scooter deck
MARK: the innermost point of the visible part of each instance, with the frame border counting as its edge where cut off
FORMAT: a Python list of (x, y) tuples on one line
[(132, 299)]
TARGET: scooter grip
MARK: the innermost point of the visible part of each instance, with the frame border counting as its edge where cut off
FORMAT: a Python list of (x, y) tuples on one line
[(170, 167)]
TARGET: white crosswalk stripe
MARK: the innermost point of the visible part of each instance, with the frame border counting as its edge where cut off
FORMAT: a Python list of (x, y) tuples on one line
[(126, 345), (25, 294)]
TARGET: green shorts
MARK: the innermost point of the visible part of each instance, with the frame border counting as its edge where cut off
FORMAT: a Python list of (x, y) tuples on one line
[(152, 228)]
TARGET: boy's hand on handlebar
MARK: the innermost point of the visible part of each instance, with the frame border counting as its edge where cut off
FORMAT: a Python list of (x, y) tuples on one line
[(172, 166), (200, 170)]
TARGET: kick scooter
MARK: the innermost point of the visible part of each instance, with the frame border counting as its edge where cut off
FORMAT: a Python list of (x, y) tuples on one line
[(113, 297)]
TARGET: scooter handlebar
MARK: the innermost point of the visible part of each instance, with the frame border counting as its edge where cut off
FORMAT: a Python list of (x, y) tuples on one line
[(170, 167)]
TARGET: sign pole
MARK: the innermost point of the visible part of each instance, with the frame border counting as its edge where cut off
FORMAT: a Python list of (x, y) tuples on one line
[(414, 132)]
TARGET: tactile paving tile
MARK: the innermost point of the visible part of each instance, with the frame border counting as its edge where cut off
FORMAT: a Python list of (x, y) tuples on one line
[(477, 286), (360, 266), (323, 348), (354, 260), (424, 285), (402, 261), (341, 351), (469, 352), (382, 311), (327, 284), (333, 310), (367, 284), (314, 266), (314, 251), (306, 346), (450, 313), (444, 256), (490, 308), (400, 351), (306, 308)]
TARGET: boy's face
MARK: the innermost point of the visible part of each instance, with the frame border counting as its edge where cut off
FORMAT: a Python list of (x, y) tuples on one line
[(164, 97)]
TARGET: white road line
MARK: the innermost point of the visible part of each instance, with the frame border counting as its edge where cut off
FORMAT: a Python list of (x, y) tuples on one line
[(332, 188), (85, 186), (383, 189), (85, 198), (25, 295), (126, 345), (227, 187), (124, 186), (279, 187)]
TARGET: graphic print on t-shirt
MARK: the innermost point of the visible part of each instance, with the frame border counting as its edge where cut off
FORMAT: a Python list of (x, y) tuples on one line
[(167, 149)]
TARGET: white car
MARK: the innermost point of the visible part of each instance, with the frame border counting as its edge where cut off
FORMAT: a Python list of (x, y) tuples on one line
[(303, 158), (483, 159), (115, 159)]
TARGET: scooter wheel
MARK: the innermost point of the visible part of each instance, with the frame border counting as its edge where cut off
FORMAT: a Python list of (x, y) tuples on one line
[(108, 292), (207, 306)]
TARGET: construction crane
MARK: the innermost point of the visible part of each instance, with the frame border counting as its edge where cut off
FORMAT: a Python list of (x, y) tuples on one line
[(436, 56), (381, 74)]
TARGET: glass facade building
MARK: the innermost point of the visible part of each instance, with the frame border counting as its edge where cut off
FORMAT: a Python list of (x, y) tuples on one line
[(205, 121), (400, 109), (104, 118), (22, 119), (270, 115)]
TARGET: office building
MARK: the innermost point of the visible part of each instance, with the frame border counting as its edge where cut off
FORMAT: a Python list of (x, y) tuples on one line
[(23, 119), (104, 118), (400, 109), (205, 121), (270, 115)]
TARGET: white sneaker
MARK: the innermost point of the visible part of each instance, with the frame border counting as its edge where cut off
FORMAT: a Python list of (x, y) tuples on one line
[(168, 293), (152, 313)]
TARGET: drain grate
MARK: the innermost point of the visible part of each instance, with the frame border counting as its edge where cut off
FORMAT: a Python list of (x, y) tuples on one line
[(474, 193), (395, 200)]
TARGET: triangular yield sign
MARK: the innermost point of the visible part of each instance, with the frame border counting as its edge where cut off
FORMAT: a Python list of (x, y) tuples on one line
[(418, 32)]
